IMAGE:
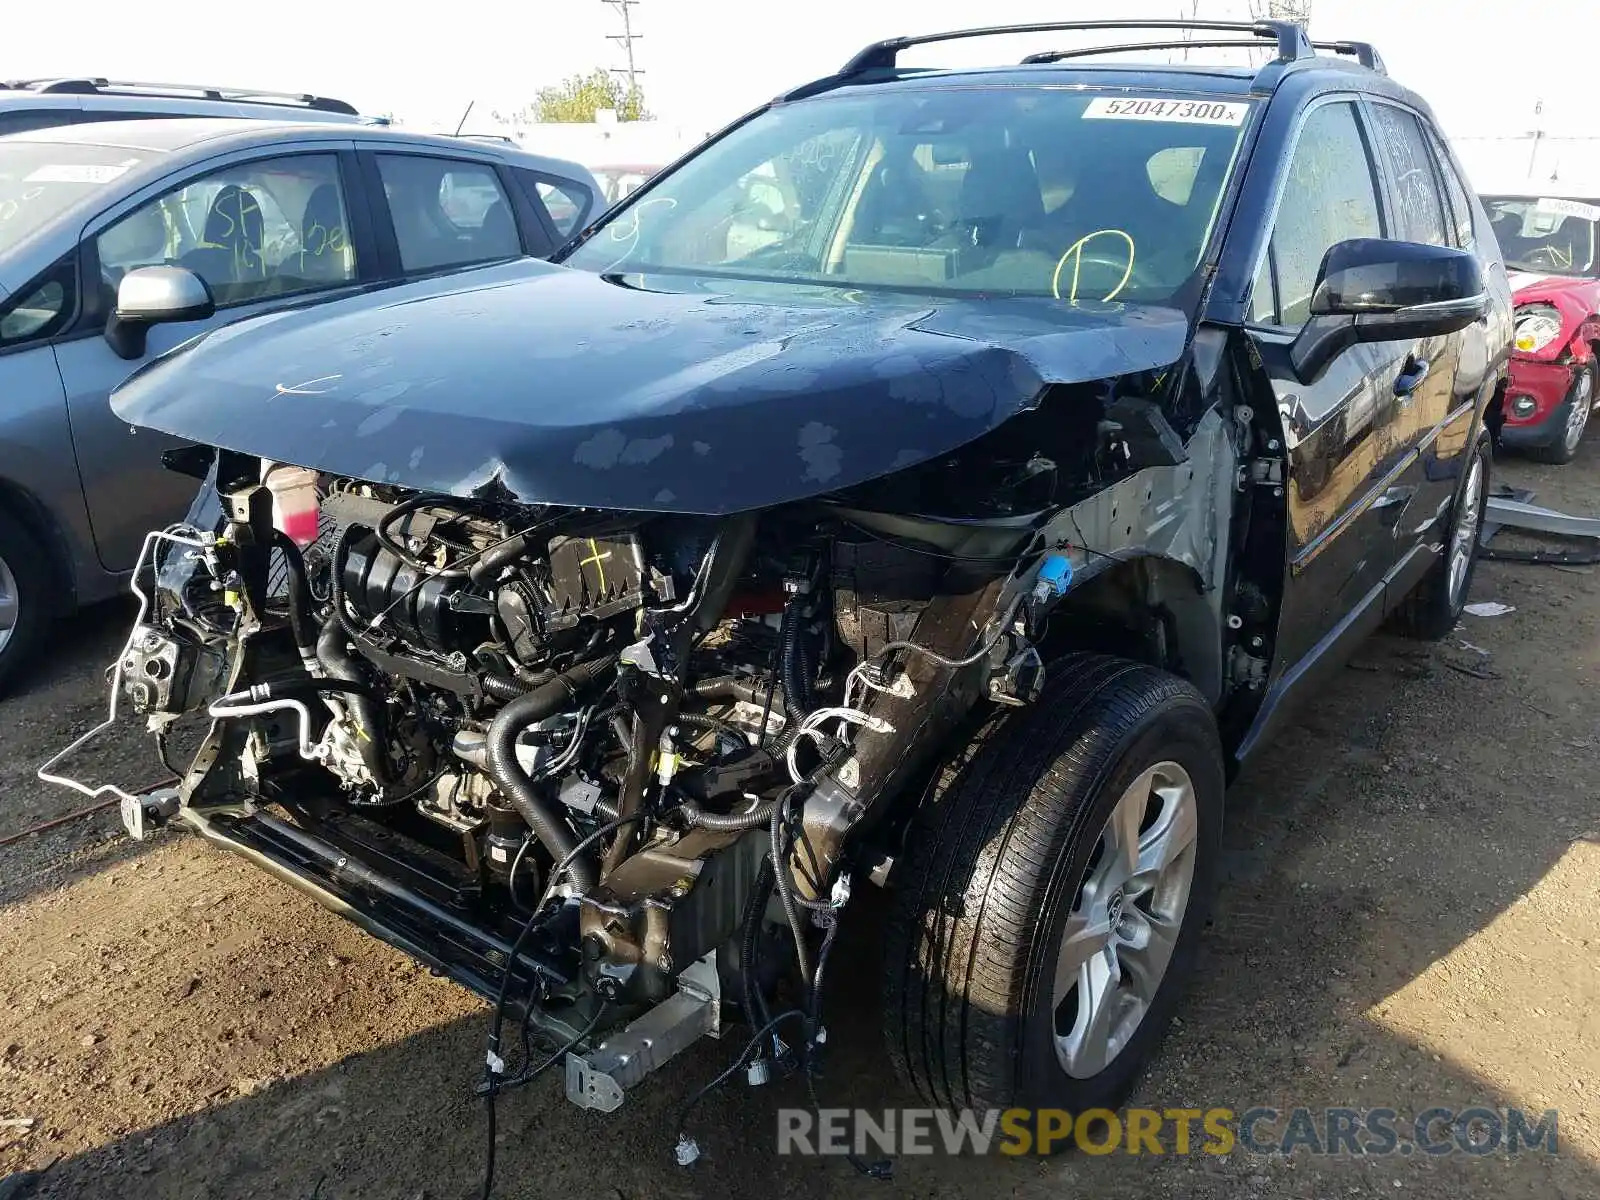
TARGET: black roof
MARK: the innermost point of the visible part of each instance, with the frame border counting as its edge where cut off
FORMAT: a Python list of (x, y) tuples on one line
[(877, 63)]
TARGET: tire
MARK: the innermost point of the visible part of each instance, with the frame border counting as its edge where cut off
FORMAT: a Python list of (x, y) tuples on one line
[(25, 604), (1434, 606), (1007, 850), (1568, 422)]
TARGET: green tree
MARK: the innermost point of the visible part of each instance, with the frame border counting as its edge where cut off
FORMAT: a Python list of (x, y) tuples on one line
[(579, 97)]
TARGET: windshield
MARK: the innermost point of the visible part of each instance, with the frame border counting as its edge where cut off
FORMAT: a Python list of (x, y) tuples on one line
[(1031, 191), (41, 179), (1551, 236)]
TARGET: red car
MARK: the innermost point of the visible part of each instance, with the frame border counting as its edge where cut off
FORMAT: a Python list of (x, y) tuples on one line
[(1552, 252)]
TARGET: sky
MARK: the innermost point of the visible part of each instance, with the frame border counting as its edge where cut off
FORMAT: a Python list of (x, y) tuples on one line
[(1482, 65)]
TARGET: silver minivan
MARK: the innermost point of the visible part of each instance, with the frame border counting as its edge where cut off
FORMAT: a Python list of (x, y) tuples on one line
[(121, 240)]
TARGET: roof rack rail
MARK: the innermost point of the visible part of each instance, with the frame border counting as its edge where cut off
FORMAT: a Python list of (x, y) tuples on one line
[(98, 86), (1050, 56), (1364, 53), (1291, 38)]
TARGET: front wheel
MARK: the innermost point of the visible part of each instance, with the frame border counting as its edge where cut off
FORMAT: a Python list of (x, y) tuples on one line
[(1050, 901), (1432, 610), (24, 598), (1569, 421)]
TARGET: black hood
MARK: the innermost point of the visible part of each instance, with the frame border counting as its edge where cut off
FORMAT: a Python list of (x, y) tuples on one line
[(650, 394)]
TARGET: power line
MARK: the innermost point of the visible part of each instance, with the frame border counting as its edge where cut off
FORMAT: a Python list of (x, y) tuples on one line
[(627, 37)]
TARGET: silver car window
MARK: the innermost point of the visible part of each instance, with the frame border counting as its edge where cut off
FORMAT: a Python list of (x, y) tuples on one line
[(41, 180)]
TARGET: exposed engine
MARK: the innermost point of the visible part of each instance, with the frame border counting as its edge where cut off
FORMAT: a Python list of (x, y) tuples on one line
[(558, 752)]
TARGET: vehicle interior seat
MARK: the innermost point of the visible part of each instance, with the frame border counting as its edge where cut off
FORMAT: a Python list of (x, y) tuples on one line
[(325, 251), (229, 257), (497, 236), (1000, 199)]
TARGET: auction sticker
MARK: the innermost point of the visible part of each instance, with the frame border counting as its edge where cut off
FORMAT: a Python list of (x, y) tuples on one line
[(77, 173), (1183, 112)]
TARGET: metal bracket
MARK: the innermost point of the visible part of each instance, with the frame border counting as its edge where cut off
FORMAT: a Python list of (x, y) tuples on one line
[(143, 815), (600, 1078)]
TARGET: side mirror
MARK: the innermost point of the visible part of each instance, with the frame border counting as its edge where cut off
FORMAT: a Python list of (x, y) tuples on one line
[(1376, 290), (155, 296)]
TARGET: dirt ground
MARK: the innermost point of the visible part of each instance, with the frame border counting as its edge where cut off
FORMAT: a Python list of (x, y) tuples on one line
[(1410, 917)]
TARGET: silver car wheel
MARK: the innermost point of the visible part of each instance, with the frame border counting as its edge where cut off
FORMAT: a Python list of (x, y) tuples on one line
[(1578, 413), (10, 602), (1125, 920), (1464, 539)]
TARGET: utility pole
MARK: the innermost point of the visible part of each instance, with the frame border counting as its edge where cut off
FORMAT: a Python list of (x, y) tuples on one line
[(1537, 133), (627, 37)]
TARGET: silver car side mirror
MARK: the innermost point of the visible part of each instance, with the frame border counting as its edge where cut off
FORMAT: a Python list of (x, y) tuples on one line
[(155, 296)]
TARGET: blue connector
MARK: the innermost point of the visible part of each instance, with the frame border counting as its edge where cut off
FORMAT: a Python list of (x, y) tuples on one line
[(1054, 578)]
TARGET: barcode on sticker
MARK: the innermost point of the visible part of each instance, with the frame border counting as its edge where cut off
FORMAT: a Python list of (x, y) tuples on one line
[(1183, 112)]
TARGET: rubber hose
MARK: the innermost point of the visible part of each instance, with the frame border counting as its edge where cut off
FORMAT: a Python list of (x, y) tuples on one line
[(710, 724), (302, 623), (499, 687), (727, 822), (547, 823), (339, 664), (727, 687)]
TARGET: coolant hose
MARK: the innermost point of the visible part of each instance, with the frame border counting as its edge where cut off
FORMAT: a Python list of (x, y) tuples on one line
[(337, 662), (302, 624), (500, 687), (548, 825)]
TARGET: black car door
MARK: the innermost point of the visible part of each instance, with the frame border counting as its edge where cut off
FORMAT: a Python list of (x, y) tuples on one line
[(1433, 418), (1344, 430)]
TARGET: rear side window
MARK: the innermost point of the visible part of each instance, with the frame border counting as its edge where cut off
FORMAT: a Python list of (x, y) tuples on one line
[(1455, 190), (567, 203), (1418, 204), (1329, 196), (447, 213)]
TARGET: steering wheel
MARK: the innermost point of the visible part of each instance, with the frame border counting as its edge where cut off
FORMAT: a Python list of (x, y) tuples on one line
[(1553, 256), (1104, 261)]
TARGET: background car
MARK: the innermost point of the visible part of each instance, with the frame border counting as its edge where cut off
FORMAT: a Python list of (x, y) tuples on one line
[(266, 214), (619, 181), (1551, 242), (29, 104)]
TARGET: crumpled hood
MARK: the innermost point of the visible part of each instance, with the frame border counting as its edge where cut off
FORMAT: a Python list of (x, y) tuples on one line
[(1528, 285), (576, 389)]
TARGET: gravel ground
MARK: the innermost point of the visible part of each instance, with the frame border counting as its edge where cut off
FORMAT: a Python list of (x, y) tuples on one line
[(1410, 917)]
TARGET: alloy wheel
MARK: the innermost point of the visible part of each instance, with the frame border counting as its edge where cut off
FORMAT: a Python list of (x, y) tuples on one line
[(1125, 920), (1579, 409), (1464, 539), (10, 602)]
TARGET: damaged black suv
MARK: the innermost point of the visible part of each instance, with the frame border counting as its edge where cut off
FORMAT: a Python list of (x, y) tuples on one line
[(942, 478)]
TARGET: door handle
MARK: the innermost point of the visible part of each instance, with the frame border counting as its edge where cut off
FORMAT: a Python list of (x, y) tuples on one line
[(1411, 376)]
